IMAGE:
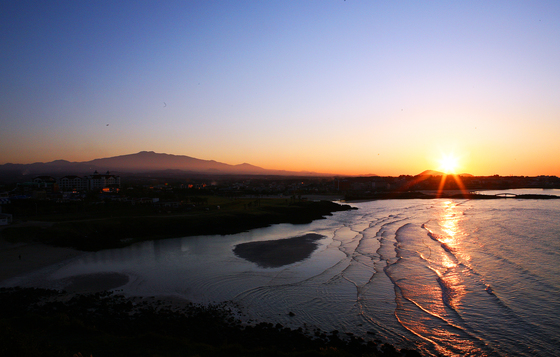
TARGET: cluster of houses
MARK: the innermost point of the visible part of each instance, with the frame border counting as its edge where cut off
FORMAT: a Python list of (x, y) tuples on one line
[(4, 217), (97, 181), (42, 187)]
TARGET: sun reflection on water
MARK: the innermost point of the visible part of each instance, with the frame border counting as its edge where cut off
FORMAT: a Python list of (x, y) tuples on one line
[(452, 254), (432, 304), (448, 263), (449, 223)]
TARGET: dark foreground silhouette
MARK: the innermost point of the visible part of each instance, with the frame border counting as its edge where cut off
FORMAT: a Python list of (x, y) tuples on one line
[(38, 322), (119, 229)]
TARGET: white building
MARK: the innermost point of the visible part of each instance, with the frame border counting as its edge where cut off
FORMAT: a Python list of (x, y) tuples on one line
[(73, 183), (98, 181), (93, 182)]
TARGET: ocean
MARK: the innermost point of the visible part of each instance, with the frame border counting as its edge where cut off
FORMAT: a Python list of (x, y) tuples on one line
[(450, 277)]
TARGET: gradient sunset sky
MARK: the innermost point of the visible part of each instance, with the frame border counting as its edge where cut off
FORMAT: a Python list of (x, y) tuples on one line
[(347, 87)]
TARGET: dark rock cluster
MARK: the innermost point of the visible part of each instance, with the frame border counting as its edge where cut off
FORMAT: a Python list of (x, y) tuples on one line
[(38, 322)]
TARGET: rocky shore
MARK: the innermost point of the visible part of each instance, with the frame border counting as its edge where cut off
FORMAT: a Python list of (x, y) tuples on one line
[(38, 322)]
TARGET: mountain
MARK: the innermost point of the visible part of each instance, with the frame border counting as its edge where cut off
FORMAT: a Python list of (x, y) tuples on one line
[(431, 173), (52, 168), (142, 162), (151, 161)]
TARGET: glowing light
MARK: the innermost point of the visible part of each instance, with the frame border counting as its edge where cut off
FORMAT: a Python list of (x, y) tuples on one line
[(448, 164), (449, 223)]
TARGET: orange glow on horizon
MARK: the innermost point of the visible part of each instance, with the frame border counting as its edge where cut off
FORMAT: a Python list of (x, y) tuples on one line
[(330, 160)]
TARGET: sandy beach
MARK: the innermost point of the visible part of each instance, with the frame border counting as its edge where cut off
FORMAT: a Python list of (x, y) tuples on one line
[(22, 258)]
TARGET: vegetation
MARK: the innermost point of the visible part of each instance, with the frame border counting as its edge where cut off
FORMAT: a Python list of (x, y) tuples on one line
[(36, 322), (116, 224)]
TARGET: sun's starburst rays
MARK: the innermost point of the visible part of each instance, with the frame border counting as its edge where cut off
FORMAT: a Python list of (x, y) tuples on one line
[(449, 164)]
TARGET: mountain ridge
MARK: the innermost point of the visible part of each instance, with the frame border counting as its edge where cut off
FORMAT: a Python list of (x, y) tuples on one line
[(141, 162)]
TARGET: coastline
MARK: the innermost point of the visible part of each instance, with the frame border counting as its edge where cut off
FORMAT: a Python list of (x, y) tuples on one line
[(18, 259), (444, 194), (38, 322), (30, 246), (117, 232), (87, 297)]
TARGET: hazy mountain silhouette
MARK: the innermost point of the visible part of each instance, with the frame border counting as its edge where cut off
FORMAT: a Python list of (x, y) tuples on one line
[(431, 173), (144, 161), (150, 161)]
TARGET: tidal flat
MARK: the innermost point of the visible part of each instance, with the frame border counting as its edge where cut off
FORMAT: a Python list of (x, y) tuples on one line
[(86, 318)]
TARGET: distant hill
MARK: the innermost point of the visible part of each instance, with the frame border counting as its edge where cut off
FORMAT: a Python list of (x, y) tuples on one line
[(431, 173), (151, 161), (142, 162)]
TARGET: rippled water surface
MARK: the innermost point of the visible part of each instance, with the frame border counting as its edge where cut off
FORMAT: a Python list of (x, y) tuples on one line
[(454, 277)]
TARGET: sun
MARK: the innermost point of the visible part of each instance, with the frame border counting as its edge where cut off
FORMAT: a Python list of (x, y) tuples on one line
[(448, 164)]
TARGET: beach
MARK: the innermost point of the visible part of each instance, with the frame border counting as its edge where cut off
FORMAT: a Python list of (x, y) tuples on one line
[(17, 259)]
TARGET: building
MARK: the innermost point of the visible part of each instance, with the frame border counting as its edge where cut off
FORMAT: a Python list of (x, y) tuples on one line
[(46, 183), (93, 182), (98, 181), (73, 183), (5, 219)]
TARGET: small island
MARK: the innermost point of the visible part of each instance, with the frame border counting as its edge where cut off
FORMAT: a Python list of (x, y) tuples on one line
[(280, 252)]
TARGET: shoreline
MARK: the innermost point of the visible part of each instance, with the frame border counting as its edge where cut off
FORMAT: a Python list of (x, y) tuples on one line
[(445, 194), (81, 290), (38, 245), (17, 259), (106, 324), (116, 232)]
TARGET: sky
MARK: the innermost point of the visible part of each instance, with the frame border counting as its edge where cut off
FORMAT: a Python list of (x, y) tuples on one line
[(347, 87)]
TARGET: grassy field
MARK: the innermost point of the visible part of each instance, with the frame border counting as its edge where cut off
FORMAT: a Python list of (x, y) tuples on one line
[(115, 224)]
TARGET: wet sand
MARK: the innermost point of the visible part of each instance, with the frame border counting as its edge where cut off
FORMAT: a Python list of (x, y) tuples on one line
[(94, 283), (22, 258), (277, 253)]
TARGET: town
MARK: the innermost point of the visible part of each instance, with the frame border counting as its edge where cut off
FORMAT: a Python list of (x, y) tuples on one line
[(175, 193)]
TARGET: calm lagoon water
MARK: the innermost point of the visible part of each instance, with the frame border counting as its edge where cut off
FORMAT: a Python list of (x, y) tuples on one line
[(451, 277)]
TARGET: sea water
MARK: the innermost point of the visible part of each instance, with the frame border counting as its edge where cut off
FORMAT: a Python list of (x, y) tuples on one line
[(453, 277)]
